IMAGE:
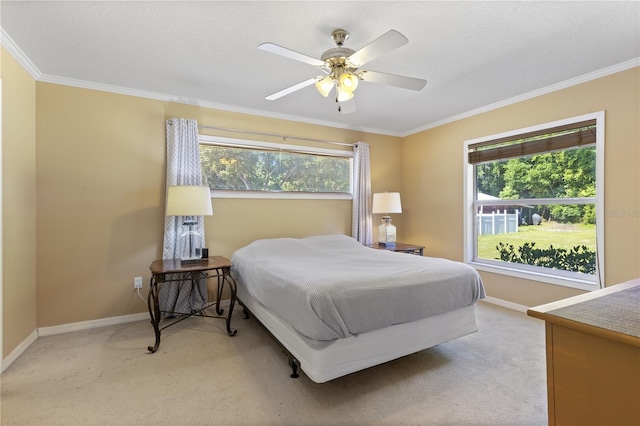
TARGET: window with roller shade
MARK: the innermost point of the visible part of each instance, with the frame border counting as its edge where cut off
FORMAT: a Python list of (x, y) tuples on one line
[(534, 200)]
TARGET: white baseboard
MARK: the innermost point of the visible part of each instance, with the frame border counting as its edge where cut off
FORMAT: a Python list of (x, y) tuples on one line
[(67, 328), (87, 325), (76, 326), (102, 322), (505, 304), (19, 350)]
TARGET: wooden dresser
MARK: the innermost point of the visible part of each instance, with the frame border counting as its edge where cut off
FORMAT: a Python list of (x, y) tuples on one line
[(593, 356)]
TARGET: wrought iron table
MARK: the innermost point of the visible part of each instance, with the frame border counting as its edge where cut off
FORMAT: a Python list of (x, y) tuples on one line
[(162, 273)]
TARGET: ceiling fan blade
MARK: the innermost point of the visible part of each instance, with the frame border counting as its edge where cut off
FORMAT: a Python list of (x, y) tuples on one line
[(293, 88), (292, 54), (347, 107), (393, 80), (385, 43)]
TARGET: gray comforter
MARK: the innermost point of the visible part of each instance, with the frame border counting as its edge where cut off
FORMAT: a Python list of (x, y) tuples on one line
[(331, 286)]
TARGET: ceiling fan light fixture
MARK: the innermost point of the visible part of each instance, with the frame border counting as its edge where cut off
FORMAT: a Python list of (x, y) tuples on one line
[(343, 95), (348, 81), (325, 85), (341, 66)]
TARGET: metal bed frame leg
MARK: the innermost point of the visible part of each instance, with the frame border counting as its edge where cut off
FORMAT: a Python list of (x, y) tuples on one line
[(293, 363), (245, 311)]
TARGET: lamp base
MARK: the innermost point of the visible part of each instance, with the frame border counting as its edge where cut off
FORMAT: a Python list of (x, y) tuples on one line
[(387, 233), (387, 245), (189, 244)]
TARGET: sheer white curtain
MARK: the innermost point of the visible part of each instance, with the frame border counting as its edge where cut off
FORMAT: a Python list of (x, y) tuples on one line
[(361, 224), (183, 169)]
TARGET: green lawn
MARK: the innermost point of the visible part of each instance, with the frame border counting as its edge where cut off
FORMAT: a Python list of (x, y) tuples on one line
[(548, 233)]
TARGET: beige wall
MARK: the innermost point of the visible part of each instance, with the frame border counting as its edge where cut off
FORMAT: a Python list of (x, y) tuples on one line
[(100, 176), (100, 190), (433, 178), (19, 203)]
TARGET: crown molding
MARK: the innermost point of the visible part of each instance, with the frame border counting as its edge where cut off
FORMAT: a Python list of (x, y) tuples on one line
[(526, 96), (17, 53), (46, 78)]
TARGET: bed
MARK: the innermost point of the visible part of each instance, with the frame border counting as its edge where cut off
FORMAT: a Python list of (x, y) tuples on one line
[(338, 307)]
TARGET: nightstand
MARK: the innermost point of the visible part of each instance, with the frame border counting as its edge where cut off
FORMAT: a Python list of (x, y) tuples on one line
[(400, 247), (174, 272)]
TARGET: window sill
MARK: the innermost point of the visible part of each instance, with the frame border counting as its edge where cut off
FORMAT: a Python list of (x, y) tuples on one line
[(580, 284), (282, 195)]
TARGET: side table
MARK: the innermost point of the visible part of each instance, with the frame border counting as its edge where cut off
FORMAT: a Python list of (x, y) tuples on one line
[(213, 267), (400, 247)]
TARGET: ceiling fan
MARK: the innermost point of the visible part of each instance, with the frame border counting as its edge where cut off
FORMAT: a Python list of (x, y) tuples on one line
[(341, 68)]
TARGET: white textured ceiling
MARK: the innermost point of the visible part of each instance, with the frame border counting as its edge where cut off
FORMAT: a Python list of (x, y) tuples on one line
[(473, 54)]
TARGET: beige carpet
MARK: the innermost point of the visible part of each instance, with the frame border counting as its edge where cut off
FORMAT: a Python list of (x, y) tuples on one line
[(200, 376)]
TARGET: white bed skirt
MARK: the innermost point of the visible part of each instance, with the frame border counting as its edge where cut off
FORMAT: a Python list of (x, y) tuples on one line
[(326, 360)]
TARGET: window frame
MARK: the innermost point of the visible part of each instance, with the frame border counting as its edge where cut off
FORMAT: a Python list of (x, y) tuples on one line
[(298, 149), (545, 275)]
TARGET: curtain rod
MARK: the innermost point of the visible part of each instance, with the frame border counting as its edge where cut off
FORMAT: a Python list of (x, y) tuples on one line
[(284, 138)]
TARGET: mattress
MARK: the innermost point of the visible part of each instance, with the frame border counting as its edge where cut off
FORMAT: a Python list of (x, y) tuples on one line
[(332, 287)]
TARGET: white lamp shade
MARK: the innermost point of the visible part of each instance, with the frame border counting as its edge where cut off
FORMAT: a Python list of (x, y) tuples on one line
[(343, 95), (189, 201), (325, 85), (348, 82), (386, 202)]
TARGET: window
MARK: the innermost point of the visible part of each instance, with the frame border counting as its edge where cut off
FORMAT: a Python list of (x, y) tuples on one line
[(242, 168), (535, 202)]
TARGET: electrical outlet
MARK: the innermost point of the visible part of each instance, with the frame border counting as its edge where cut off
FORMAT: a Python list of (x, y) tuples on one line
[(137, 282)]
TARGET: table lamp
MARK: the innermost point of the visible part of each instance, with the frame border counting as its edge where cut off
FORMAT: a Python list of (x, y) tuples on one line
[(386, 203), (189, 202)]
